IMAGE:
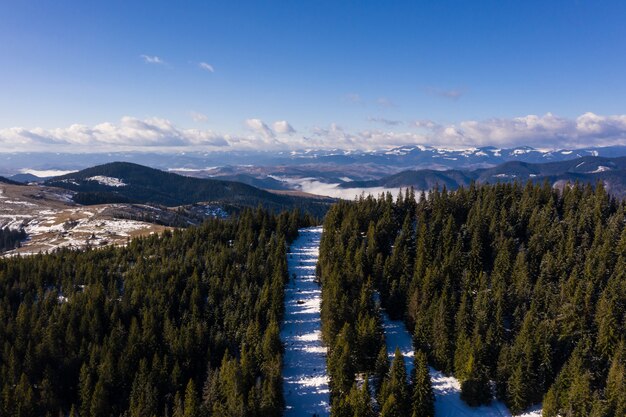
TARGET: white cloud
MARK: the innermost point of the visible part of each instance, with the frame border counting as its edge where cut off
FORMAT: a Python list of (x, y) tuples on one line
[(41, 173), (152, 59), (129, 133), (313, 186), (206, 67), (258, 126), (548, 132), (198, 117), (283, 127)]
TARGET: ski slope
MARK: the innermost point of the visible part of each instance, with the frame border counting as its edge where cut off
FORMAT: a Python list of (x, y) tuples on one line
[(305, 381), (447, 389)]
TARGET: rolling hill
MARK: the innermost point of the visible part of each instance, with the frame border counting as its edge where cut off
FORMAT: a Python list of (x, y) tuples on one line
[(124, 182)]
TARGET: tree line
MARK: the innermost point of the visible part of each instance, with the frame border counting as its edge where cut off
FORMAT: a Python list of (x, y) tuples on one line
[(181, 324), (10, 238), (520, 285)]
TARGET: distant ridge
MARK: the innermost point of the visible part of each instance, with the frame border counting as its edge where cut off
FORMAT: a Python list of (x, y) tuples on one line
[(586, 169), (27, 178), (127, 182), (8, 181)]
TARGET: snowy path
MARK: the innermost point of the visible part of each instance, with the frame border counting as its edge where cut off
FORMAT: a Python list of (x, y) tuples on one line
[(447, 389), (305, 382)]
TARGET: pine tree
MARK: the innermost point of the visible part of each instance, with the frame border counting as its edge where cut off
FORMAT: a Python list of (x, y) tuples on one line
[(341, 366), (177, 409), (423, 398), (395, 386), (616, 382), (381, 369), (100, 403), (517, 394), (85, 386), (192, 406), (392, 407)]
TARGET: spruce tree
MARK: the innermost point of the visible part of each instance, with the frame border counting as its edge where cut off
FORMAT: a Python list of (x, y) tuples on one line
[(423, 398)]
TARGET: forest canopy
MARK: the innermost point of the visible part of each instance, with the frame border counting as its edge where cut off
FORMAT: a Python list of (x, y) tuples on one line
[(182, 324), (522, 285)]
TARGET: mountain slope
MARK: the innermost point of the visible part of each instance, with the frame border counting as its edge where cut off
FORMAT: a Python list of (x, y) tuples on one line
[(586, 169), (266, 183), (127, 182), (8, 181), (421, 179), (27, 178)]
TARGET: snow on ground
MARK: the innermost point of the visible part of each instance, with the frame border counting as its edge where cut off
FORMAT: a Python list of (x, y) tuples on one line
[(601, 168), (52, 222), (108, 181), (305, 382), (447, 389)]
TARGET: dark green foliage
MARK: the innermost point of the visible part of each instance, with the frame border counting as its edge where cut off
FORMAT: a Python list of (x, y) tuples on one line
[(183, 324), (351, 324), (422, 398), (10, 239), (521, 285), (357, 403), (395, 396)]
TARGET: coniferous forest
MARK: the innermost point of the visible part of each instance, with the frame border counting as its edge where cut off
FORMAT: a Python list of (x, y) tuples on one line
[(517, 290), (10, 239), (182, 324)]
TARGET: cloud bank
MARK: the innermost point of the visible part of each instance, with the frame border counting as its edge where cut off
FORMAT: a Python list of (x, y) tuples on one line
[(129, 133), (547, 132)]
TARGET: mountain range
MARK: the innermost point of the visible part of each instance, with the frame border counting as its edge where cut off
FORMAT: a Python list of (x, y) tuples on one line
[(587, 169), (398, 158)]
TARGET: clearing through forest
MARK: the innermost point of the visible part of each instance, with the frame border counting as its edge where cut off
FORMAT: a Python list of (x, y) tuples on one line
[(305, 381)]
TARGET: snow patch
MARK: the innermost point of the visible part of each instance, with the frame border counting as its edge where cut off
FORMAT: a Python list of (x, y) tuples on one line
[(305, 381), (600, 168), (108, 181)]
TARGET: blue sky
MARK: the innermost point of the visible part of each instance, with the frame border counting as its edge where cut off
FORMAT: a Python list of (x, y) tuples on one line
[(352, 73)]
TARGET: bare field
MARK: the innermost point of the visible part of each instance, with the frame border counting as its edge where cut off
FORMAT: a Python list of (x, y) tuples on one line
[(53, 221)]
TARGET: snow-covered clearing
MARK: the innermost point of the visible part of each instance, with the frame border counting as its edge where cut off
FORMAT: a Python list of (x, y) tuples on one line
[(447, 389), (305, 382), (108, 181)]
